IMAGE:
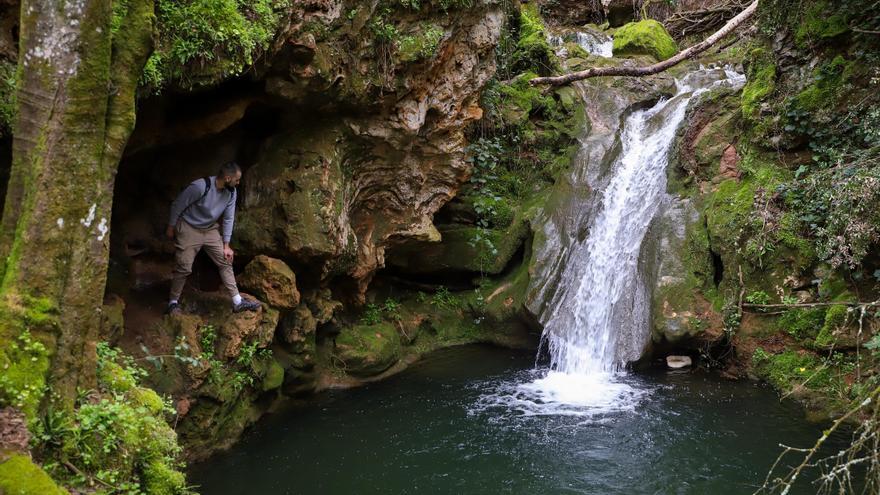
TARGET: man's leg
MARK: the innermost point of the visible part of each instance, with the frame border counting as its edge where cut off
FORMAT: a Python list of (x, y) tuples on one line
[(214, 249), (187, 243)]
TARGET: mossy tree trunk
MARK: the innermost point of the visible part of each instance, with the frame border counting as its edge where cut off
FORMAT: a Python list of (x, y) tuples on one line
[(79, 65)]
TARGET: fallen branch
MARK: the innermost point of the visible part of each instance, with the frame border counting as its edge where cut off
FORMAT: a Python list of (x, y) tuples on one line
[(655, 68), (812, 305), (837, 477)]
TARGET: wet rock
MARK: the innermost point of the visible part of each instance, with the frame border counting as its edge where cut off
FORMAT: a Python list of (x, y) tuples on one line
[(729, 160), (297, 326), (272, 281), (677, 260), (14, 435), (273, 377), (246, 327), (322, 305), (678, 362), (366, 350)]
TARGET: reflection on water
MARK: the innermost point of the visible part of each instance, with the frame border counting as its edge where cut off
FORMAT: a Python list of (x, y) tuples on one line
[(436, 429)]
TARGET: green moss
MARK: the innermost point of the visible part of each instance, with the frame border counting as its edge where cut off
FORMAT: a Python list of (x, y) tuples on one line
[(20, 476), (161, 479), (149, 399), (827, 84), (519, 99), (792, 368), (728, 211), (115, 377), (24, 362), (802, 324), (274, 376), (760, 82), (647, 37), (820, 21), (201, 42), (40, 311), (421, 45), (789, 235), (365, 350), (533, 52), (835, 318), (8, 80), (118, 434)]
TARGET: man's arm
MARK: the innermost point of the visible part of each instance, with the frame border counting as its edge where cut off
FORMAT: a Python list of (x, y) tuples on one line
[(187, 197), (228, 220), (226, 227)]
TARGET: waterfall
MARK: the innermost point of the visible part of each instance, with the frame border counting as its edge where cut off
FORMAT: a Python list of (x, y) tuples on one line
[(590, 295), (599, 320)]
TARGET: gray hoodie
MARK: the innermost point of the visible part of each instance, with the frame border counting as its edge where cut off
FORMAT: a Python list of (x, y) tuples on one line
[(205, 212)]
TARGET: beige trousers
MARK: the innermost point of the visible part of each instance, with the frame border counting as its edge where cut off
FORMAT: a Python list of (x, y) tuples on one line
[(188, 240)]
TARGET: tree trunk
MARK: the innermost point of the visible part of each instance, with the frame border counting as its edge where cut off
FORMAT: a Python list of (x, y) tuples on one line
[(76, 109)]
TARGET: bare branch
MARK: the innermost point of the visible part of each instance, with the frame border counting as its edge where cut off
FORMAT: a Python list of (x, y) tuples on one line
[(655, 68)]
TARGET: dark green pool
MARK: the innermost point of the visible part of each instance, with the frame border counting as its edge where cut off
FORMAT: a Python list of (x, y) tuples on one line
[(440, 428)]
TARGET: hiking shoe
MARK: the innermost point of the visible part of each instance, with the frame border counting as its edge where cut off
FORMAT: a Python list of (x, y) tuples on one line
[(246, 305), (173, 309)]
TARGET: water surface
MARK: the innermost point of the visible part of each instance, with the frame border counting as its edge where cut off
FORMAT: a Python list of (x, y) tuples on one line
[(450, 425)]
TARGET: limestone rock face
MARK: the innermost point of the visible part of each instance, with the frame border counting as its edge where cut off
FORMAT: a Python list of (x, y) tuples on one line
[(246, 327), (272, 281), (677, 259), (334, 193)]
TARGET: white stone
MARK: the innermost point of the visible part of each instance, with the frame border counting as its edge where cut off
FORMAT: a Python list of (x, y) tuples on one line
[(677, 362)]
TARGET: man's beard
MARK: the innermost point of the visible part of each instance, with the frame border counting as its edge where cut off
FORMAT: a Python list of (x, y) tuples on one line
[(229, 187)]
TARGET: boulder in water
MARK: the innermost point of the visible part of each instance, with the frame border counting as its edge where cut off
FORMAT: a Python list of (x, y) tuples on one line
[(365, 350), (678, 362)]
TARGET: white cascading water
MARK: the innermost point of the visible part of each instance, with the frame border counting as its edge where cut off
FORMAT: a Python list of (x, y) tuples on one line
[(593, 43), (596, 322)]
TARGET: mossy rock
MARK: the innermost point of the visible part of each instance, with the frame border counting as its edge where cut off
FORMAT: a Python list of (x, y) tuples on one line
[(532, 49), (792, 368), (802, 323), (20, 476), (647, 37), (821, 21), (274, 376), (760, 85), (161, 479), (365, 350)]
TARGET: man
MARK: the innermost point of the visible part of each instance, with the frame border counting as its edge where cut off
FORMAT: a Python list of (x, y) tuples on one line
[(193, 225)]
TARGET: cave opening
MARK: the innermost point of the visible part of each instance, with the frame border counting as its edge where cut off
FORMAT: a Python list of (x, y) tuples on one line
[(717, 268), (178, 138)]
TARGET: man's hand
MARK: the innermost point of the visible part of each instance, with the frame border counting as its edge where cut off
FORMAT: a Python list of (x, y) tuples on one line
[(169, 232), (227, 252)]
